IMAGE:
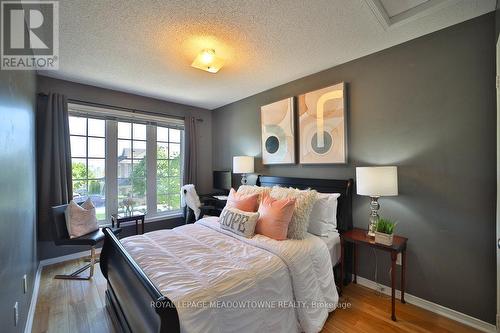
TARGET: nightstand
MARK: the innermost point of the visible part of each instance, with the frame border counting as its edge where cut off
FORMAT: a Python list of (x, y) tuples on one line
[(359, 237)]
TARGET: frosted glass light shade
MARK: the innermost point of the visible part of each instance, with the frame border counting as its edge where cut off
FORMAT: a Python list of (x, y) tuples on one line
[(243, 164), (377, 181)]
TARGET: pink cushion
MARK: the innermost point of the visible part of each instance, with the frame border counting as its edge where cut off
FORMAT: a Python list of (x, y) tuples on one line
[(246, 203), (274, 217)]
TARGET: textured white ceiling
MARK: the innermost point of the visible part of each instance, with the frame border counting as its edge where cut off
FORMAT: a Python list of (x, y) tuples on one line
[(146, 47)]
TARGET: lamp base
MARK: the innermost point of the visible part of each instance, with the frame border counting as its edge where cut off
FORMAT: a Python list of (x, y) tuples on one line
[(374, 217)]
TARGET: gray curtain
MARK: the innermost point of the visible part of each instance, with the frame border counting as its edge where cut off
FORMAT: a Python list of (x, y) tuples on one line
[(53, 159), (190, 151)]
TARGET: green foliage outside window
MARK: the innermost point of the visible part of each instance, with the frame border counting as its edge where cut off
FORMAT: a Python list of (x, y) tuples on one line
[(168, 179), (79, 171)]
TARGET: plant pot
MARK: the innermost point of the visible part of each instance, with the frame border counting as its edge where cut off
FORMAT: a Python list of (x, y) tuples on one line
[(384, 239)]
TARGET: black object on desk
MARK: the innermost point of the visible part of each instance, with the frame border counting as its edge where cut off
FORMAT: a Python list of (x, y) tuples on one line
[(210, 205), (118, 218)]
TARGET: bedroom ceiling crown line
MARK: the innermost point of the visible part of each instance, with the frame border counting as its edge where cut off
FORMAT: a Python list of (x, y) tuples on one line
[(393, 13)]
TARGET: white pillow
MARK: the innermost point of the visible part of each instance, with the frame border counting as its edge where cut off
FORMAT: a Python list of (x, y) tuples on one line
[(238, 222), (323, 217), (304, 201), (80, 220)]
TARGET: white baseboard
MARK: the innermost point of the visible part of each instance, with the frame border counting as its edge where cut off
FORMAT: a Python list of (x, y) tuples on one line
[(51, 261), (34, 297), (433, 307)]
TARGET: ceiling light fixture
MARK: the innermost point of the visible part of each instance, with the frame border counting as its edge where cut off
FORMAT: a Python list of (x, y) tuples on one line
[(208, 61)]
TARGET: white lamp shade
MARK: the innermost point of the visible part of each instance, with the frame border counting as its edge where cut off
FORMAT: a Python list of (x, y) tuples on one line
[(243, 164), (377, 181)]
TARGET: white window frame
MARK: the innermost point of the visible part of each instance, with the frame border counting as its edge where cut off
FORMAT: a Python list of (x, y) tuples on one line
[(112, 117)]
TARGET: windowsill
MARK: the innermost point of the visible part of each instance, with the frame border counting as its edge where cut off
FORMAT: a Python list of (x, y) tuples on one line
[(154, 218)]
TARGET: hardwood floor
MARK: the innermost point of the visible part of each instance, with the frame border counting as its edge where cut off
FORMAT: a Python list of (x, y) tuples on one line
[(79, 306)]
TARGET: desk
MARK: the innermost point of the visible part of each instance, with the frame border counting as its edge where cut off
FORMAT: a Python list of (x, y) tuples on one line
[(118, 218), (360, 237), (209, 206)]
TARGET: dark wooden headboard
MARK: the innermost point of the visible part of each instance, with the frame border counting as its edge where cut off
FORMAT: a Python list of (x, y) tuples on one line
[(344, 187)]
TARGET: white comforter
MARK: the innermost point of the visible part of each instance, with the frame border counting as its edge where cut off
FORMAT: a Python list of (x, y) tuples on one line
[(221, 282)]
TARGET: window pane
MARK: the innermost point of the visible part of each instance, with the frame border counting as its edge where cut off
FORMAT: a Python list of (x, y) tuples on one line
[(139, 132), (125, 201), (97, 147), (139, 151), (162, 185), (139, 187), (174, 150), (97, 127), (139, 169), (96, 191), (162, 134), (174, 185), (124, 187), (79, 168), (79, 190), (96, 168), (161, 169), (78, 146), (124, 168), (162, 150), (175, 201), (175, 135), (77, 125), (174, 167), (124, 130), (124, 149), (128, 203), (162, 202), (140, 206)]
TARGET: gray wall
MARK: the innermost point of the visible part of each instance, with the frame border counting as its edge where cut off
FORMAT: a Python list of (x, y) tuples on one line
[(17, 194), (428, 106), (121, 99)]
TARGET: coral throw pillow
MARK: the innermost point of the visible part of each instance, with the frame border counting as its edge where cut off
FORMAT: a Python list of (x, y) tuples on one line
[(246, 203), (274, 217)]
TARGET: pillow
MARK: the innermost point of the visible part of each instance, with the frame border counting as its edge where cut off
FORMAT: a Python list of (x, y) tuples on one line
[(238, 222), (246, 203), (323, 218), (253, 189), (274, 217), (303, 206), (80, 220)]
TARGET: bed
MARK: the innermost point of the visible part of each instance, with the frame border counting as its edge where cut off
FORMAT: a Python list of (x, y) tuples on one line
[(217, 281)]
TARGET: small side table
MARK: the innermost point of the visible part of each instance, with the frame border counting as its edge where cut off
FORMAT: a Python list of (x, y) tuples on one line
[(138, 218), (359, 237)]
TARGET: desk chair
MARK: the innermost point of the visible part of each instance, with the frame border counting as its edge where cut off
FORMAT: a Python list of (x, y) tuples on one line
[(61, 237), (209, 206)]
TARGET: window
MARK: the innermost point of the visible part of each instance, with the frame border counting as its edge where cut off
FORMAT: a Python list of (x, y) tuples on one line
[(132, 168), (141, 174), (168, 159), (87, 137)]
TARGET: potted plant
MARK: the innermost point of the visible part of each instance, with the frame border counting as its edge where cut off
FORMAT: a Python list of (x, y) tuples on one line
[(384, 232)]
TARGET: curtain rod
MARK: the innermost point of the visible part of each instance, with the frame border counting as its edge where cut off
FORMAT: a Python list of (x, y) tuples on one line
[(120, 108)]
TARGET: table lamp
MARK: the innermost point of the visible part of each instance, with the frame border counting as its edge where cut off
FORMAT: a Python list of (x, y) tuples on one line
[(243, 165), (376, 182)]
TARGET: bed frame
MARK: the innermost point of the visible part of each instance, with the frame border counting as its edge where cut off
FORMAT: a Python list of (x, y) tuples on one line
[(136, 305)]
